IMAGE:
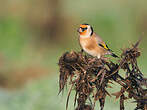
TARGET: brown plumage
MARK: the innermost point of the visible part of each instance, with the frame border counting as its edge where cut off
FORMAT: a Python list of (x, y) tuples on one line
[(92, 43)]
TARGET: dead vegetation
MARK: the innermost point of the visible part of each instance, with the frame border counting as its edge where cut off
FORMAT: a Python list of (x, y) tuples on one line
[(90, 77)]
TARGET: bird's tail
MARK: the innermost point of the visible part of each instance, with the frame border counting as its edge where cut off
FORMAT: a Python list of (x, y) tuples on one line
[(114, 55)]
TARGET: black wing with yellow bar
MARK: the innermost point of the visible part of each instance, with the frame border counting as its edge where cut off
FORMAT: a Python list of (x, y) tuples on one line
[(104, 46)]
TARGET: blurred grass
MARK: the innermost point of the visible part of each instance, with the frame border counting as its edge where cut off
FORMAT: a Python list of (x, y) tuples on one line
[(42, 95), (118, 22)]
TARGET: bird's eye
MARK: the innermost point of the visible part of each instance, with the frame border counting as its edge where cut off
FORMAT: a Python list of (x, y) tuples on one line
[(83, 29)]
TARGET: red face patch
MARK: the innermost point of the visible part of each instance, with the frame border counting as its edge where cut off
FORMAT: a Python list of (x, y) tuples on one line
[(83, 29), (83, 26)]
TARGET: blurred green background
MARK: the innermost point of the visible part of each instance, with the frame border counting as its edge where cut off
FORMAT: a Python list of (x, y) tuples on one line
[(35, 33)]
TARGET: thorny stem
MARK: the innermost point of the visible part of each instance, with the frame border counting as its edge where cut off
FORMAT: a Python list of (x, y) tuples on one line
[(90, 77)]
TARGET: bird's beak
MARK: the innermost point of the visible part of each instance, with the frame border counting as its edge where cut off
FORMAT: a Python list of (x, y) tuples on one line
[(79, 30)]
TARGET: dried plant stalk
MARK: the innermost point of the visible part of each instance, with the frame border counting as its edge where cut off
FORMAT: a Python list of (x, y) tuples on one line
[(90, 77)]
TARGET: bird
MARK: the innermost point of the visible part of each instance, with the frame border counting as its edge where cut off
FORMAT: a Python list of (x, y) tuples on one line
[(92, 43)]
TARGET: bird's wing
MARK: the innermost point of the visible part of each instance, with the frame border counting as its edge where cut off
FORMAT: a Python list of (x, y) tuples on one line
[(101, 43)]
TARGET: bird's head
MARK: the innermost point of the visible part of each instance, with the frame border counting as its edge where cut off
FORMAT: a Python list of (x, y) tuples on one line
[(85, 30)]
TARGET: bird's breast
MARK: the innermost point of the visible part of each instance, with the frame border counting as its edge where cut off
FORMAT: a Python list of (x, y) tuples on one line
[(90, 46), (88, 43)]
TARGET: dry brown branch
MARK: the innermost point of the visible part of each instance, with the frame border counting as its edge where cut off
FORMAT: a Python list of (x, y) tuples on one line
[(90, 77)]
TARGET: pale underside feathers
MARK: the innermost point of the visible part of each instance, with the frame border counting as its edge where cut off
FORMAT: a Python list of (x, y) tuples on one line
[(92, 43)]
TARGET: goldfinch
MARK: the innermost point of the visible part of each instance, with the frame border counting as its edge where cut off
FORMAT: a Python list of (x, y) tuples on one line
[(92, 43)]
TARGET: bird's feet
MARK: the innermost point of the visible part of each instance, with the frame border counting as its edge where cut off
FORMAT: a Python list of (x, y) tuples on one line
[(82, 51)]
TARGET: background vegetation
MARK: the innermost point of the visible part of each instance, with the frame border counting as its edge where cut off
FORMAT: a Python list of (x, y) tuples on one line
[(35, 33)]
